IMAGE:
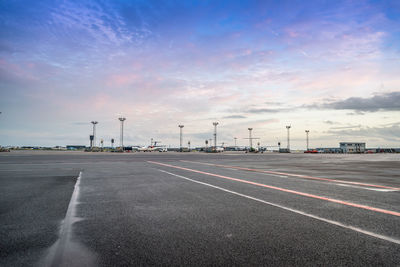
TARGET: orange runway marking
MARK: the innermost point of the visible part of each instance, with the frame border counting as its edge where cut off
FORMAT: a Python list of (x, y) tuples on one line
[(295, 175), (284, 190)]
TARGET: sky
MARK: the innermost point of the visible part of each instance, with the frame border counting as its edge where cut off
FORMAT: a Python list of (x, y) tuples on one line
[(330, 67)]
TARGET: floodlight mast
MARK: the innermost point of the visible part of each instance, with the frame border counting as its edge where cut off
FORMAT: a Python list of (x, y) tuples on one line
[(180, 136), (250, 138), (215, 135), (94, 133), (288, 137), (121, 140), (307, 132)]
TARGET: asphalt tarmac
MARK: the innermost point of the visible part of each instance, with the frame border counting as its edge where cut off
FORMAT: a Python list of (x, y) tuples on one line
[(111, 209)]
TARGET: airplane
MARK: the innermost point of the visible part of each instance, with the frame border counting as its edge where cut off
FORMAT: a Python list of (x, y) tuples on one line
[(219, 149), (152, 147)]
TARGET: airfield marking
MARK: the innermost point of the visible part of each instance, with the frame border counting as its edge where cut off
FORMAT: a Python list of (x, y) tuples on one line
[(356, 229), (338, 184), (366, 188), (285, 190), (295, 175)]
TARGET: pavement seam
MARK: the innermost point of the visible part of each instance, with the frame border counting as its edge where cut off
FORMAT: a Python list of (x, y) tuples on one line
[(65, 251)]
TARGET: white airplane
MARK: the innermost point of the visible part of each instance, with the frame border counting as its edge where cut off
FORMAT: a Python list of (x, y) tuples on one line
[(153, 148), (219, 149), (143, 148)]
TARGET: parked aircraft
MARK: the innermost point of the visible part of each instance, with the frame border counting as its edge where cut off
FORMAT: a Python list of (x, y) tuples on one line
[(152, 147)]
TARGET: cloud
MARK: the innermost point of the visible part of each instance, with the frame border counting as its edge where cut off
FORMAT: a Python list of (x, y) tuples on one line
[(164, 64), (346, 127), (101, 22), (273, 103), (6, 48), (267, 110), (80, 123), (357, 112), (391, 133), (234, 117), (391, 124), (386, 101)]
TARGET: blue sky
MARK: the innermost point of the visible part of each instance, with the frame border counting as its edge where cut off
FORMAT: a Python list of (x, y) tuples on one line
[(328, 66)]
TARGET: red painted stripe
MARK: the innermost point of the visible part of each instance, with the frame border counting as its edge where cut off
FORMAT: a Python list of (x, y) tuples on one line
[(285, 190), (296, 175)]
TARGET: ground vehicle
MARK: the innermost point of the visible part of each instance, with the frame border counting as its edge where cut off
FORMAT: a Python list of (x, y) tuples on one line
[(311, 151)]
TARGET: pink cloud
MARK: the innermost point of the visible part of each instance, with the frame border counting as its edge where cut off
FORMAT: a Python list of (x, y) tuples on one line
[(20, 71), (264, 23), (121, 79), (292, 33), (226, 99)]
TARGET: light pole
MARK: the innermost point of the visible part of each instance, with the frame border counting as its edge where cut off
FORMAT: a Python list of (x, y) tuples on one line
[(250, 139), (288, 137), (180, 137), (189, 145), (94, 133), (215, 135), (307, 132), (235, 142), (121, 139)]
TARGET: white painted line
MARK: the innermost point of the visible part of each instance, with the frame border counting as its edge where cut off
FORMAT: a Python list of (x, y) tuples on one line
[(356, 229), (345, 185), (296, 175), (231, 169), (277, 175), (367, 188), (343, 202), (54, 163)]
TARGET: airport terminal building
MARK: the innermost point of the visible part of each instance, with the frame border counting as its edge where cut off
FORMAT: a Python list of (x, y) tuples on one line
[(352, 147)]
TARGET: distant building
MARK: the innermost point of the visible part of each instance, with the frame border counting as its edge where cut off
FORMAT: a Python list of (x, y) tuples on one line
[(75, 147), (383, 150), (352, 147), (284, 150), (235, 148), (329, 150)]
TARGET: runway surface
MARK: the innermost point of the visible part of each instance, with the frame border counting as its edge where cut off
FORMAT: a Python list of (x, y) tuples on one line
[(111, 209)]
